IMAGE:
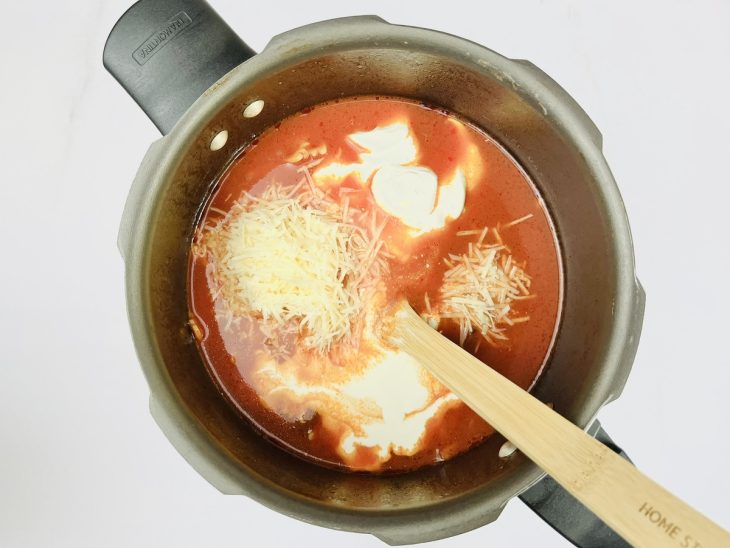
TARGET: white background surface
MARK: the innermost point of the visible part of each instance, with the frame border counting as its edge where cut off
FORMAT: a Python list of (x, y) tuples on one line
[(81, 461)]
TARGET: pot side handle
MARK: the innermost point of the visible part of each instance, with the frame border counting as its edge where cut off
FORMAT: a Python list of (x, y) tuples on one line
[(564, 513), (166, 53)]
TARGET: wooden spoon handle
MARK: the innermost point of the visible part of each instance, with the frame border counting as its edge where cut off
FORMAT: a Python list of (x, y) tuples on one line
[(637, 508)]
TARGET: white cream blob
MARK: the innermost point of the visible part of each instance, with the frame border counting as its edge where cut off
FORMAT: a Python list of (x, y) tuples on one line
[(450, 202), (394, 384), (384, 407), (406, 192), (387, 145), (402, 189), (410, 192)]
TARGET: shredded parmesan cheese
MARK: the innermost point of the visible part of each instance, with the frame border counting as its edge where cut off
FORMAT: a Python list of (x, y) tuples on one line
[(298, 260), (481, 286)]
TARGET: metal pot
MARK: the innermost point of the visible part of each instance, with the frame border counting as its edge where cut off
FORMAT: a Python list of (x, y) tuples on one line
[(194, 77)]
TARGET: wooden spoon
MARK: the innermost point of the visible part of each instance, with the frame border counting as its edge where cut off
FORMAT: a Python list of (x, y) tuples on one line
[(641, 511)]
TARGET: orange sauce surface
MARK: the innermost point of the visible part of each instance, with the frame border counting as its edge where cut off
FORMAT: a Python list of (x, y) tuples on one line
[(501, 194)]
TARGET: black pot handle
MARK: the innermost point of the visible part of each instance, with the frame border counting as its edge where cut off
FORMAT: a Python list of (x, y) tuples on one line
[(566, 515), (166, 53)]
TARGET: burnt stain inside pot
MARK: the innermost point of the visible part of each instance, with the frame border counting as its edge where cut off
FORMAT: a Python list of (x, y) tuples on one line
[(314, 234)]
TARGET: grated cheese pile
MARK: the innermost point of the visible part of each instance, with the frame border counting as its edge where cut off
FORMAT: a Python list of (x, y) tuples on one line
[(481, 286), (297, 259)]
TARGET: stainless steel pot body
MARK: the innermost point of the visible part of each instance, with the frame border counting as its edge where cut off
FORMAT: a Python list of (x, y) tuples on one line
[(512, 100)]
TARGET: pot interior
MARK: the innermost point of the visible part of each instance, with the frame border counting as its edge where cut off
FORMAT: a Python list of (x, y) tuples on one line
[(538, 143)]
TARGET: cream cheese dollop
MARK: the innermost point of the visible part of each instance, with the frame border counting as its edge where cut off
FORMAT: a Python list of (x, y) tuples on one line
[(402, 188), (406, 192), (412, 194), (387, 145), (382, 146)]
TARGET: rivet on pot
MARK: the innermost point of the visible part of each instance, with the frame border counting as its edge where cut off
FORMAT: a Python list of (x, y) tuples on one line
[(219, 141), (507, 449), (253, 109)]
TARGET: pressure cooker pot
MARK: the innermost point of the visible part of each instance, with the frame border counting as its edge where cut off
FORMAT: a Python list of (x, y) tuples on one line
[(210, 95)]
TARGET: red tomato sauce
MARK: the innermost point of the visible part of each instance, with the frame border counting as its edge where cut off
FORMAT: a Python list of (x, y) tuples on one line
[(501, 194)]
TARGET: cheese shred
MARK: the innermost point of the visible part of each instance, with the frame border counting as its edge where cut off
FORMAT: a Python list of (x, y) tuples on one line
[(298, 260), (480, 288)]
